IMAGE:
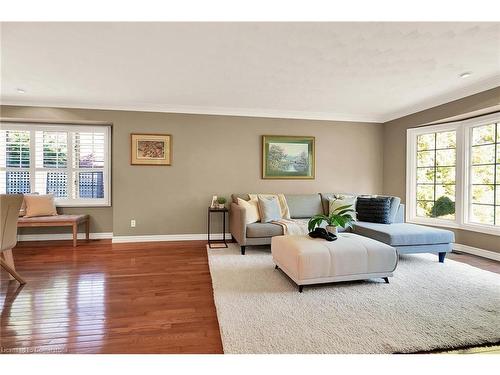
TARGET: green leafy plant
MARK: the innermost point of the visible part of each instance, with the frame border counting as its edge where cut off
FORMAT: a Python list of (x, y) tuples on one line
[(221, 200), (340, 217), (443, 206)]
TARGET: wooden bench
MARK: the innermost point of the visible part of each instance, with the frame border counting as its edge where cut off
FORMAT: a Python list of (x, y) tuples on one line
[(57, 221)]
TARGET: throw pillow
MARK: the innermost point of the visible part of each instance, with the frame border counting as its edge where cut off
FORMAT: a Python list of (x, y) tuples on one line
[(374, 210), (285, 211), (22, 210), (395, 203), (269, 209), (40, 205), (340, 200), (251, 210)]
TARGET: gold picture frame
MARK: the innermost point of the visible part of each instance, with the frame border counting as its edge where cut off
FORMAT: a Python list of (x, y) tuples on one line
[(150, 149), (288, 157)]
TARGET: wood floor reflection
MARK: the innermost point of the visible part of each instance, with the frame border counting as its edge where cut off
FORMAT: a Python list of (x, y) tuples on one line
[(110, 298)]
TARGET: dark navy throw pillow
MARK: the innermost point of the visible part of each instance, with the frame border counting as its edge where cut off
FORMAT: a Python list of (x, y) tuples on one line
[(374, 210)]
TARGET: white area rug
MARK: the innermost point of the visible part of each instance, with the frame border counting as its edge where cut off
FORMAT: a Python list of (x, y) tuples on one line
[(427, 306)]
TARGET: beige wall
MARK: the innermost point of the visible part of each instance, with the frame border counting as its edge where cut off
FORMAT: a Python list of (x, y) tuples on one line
[(215, 155), (395, 153)]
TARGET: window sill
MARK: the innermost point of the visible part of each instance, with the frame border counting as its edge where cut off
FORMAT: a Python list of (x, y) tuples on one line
[(495, 231), (78, 204)]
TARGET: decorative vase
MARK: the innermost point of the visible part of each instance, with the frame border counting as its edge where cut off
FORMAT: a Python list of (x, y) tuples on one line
[(332, 229), (221, 206)]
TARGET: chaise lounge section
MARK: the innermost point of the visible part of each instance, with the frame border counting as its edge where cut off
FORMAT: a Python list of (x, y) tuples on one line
[(409, 238), (406, 238)]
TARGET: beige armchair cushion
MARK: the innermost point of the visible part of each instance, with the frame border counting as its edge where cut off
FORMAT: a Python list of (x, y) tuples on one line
[(40, 205)]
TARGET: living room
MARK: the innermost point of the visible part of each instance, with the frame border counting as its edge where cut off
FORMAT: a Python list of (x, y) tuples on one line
[(249, 187)]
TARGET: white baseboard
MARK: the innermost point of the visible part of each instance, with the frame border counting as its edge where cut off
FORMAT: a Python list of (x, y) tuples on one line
[(168, 237), (62, 236), (476, 251), (121, 239)]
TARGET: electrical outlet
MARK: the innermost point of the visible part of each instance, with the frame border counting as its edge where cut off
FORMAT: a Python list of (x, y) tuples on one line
[(132, 223)]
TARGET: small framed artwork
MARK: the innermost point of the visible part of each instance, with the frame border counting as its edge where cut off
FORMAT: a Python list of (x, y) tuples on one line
[(288, 157), (151, 149)]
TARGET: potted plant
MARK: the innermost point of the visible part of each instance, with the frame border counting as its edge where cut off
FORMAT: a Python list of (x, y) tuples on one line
[(221, 201), (340, 217)]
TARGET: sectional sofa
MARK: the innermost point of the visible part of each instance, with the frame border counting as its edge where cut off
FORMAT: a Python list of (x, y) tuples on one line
[(406, 238)]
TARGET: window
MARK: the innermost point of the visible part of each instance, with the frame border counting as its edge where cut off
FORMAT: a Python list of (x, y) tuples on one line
[(484, 174), (71, 162), (453, 174), (436, 170)]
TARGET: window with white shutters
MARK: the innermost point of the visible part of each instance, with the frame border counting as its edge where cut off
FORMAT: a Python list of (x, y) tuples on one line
[(71, 162)]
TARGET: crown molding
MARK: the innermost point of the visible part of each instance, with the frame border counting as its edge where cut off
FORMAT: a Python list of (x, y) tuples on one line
[(434, 101), (195, 110)]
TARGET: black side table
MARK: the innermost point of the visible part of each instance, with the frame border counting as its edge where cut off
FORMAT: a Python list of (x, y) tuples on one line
[(223, 241)]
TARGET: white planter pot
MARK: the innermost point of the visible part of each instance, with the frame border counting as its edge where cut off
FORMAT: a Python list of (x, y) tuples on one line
[(331, 228)]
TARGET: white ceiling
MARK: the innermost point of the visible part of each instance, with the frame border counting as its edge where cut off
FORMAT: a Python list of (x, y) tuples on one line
[(340, 71)]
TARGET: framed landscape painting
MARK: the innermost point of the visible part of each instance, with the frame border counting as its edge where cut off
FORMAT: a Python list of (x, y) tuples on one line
[(288, 157), (151, 149)]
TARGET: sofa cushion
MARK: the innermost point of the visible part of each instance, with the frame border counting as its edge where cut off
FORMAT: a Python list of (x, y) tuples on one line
[(269, 209), (243, 196), (251, 208), (403, 234), (326, 198), (374, 210), (395, 203), (284, 211), (304, 205), (342, 200), (257, 230)]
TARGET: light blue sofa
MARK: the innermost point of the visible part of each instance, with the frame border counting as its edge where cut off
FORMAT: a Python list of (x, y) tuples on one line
[(406, 238)]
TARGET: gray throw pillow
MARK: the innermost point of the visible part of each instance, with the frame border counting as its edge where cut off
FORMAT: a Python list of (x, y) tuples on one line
[(269, 209)]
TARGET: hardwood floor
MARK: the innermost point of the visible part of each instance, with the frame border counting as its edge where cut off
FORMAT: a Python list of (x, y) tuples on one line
[(100, 297), (110, 298), (479, 262)]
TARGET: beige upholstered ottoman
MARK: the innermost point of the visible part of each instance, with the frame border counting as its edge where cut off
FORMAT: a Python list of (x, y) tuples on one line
[(315, 261)]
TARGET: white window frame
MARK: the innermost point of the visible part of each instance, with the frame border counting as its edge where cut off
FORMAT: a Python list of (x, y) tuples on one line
[(462, 189), (70, 169)]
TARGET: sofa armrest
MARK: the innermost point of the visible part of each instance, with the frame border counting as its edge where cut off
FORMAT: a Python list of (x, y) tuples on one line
[(400, 215), (238, 223)]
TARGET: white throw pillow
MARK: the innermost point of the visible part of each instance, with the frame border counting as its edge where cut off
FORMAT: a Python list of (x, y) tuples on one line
[(269, 209), (251, 210), (340, 200)]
